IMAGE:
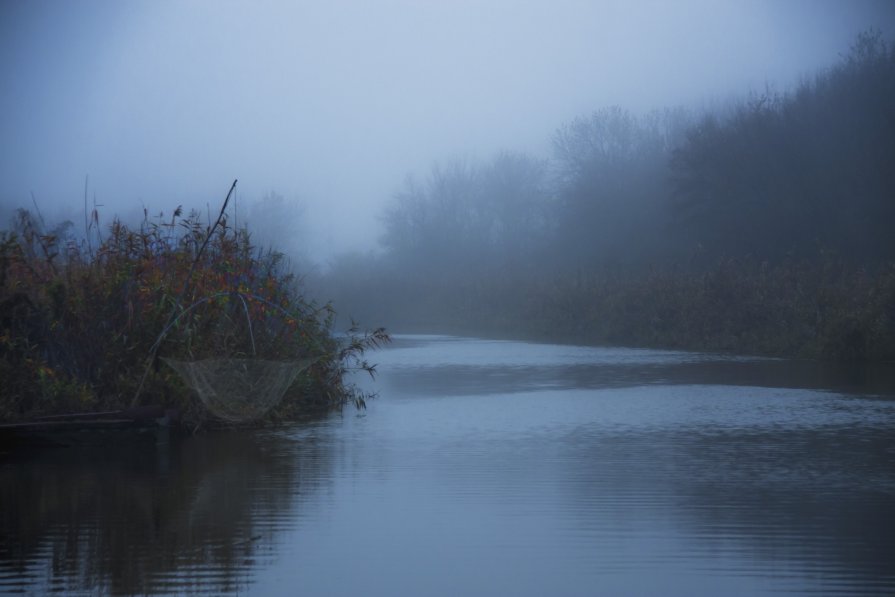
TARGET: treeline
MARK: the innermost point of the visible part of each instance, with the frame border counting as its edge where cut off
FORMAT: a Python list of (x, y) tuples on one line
[(803, 174), (763, 226)]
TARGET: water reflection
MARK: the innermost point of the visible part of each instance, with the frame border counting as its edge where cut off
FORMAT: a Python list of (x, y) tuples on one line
[(469, 366), (492, 468), (193, 515), (761, 502), (655, 474)]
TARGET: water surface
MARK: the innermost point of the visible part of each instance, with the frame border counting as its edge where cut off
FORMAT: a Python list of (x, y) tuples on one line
[(492, 468)]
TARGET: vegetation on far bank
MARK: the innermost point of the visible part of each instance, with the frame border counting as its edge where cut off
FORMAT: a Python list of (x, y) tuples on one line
[(81, 316), (828, 311), (763, 226)]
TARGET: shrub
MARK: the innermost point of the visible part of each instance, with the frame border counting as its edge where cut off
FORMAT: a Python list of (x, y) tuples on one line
[(78, 323)]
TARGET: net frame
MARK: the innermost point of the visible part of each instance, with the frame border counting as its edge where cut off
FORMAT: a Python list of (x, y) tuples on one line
[(239, 390), (236, 389)]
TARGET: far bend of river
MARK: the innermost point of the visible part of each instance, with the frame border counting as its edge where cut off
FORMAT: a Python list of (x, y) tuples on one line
[(490, 468)]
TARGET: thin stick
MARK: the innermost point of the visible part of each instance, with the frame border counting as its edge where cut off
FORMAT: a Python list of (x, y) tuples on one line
[(86, 217), (207, 238), (173, 317), (40, 216)]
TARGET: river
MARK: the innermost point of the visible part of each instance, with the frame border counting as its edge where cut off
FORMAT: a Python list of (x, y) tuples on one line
[(491, 468)]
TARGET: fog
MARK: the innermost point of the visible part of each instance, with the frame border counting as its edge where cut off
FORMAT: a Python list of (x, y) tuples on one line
[(333, 104)]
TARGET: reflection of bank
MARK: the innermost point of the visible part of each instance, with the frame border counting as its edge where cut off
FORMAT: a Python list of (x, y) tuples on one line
[(808, 503), (190, 514)]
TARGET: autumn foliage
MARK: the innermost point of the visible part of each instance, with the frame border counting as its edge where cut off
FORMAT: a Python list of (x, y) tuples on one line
[(82, 319)]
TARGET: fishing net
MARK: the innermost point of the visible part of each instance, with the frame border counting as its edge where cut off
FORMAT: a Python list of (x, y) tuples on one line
[(239, 390)]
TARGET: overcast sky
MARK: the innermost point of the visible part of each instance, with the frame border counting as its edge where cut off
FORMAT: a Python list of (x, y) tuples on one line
[(335, 102)]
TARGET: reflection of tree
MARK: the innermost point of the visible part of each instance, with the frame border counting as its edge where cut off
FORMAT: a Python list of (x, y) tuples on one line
[(142, 518), (683, 370)]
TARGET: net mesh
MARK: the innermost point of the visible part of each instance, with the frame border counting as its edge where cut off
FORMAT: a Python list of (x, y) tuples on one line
[(239, 390)]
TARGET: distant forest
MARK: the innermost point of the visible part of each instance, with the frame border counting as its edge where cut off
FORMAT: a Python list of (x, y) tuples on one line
[(764, 226)]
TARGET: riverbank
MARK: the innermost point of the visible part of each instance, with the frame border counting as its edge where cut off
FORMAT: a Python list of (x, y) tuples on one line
[(827, 310)]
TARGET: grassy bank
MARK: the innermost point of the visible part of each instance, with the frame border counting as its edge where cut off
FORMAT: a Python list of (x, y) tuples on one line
[(821, 310), (826, 311), (81, 320)]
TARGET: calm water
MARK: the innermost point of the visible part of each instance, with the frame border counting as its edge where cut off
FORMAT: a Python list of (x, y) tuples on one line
[(491, 468)]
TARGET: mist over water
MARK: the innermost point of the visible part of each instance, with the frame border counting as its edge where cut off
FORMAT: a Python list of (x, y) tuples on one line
[(332, 105)]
